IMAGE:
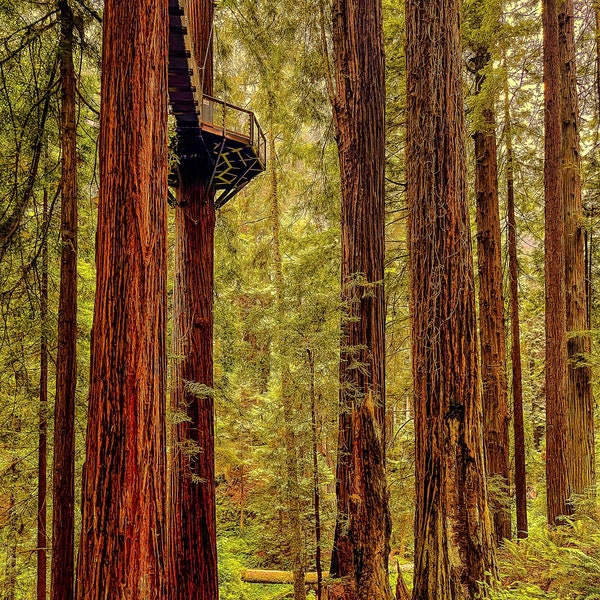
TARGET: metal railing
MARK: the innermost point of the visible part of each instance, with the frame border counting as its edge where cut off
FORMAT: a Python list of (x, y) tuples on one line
[(234, 120)]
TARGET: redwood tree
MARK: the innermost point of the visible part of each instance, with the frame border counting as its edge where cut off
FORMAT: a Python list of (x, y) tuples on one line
[(42, 537), (193, 538), (63, 521), (580, 402), (515, 329), (361, 543), (122, 553), (557, 485), (453, 539), (491, 300)]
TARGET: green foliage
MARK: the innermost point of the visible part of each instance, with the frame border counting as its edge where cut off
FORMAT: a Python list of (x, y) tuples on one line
[(562, 563), (235, 555)]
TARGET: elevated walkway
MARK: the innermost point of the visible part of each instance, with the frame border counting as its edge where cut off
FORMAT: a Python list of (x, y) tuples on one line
[(227, 138)]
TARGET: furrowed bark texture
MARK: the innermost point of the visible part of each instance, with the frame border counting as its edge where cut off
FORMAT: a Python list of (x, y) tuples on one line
[(63, 482), (361, 542), (192, 493), (453, 539), (580, 402), (557, 446), (491, 302), (42, 537), (517, 378), (122, 551), (193, 538)]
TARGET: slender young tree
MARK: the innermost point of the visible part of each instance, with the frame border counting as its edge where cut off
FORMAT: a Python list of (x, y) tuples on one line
[(580, 401), (454, 550), (491, 301), (557, 485), (515, 329), (42, 537), (193, 537), (292, 502), (316, 484), (361, 541), (123, 549), (63, 477)]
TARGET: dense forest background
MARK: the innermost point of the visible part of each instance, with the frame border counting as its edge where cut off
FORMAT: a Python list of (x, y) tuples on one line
[(277, 281)]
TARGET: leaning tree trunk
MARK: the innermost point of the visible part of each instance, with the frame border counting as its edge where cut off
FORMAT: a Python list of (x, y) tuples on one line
[(361, 542), (580, 402), (193, 535), (515, 329), (63, 486), (42, 537), (454, 550), (491, 301), (557, 446), (123, 550)]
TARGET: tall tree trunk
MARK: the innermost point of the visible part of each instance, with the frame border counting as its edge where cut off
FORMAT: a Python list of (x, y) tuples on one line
[(192, 491), (453, 539), (193, 536), (42, 538), (361, 542), (517, 378), (316, 484), (496, 417), (292, 500), (10, 587), (123, 550), (63, 486), (557, 446), (580, 402)]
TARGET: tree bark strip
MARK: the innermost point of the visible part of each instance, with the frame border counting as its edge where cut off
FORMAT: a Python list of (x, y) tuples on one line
[(453, 538), (193, 537), (580, 401), (517, 377), (557, 446), (123, 550), (192, 491), (63, 486), (491, 300), (361, 542), (42, 537)]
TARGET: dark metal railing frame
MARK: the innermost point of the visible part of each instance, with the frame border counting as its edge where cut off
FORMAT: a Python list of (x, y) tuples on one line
[(255, 136)]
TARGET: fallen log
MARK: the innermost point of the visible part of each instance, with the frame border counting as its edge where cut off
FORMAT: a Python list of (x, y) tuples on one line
[(261, 576), (310, 578)]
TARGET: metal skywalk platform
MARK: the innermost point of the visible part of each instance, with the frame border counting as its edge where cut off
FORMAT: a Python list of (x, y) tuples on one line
[(225, 137)]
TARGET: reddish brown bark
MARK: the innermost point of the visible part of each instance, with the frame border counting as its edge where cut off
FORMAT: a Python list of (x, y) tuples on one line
[(580, 401), (361, 543), (192, 483), (63, 482), (122, 552), (453, 538), (496, 417), (42, 538), (557, 486), (192, 492), (515, 329)]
